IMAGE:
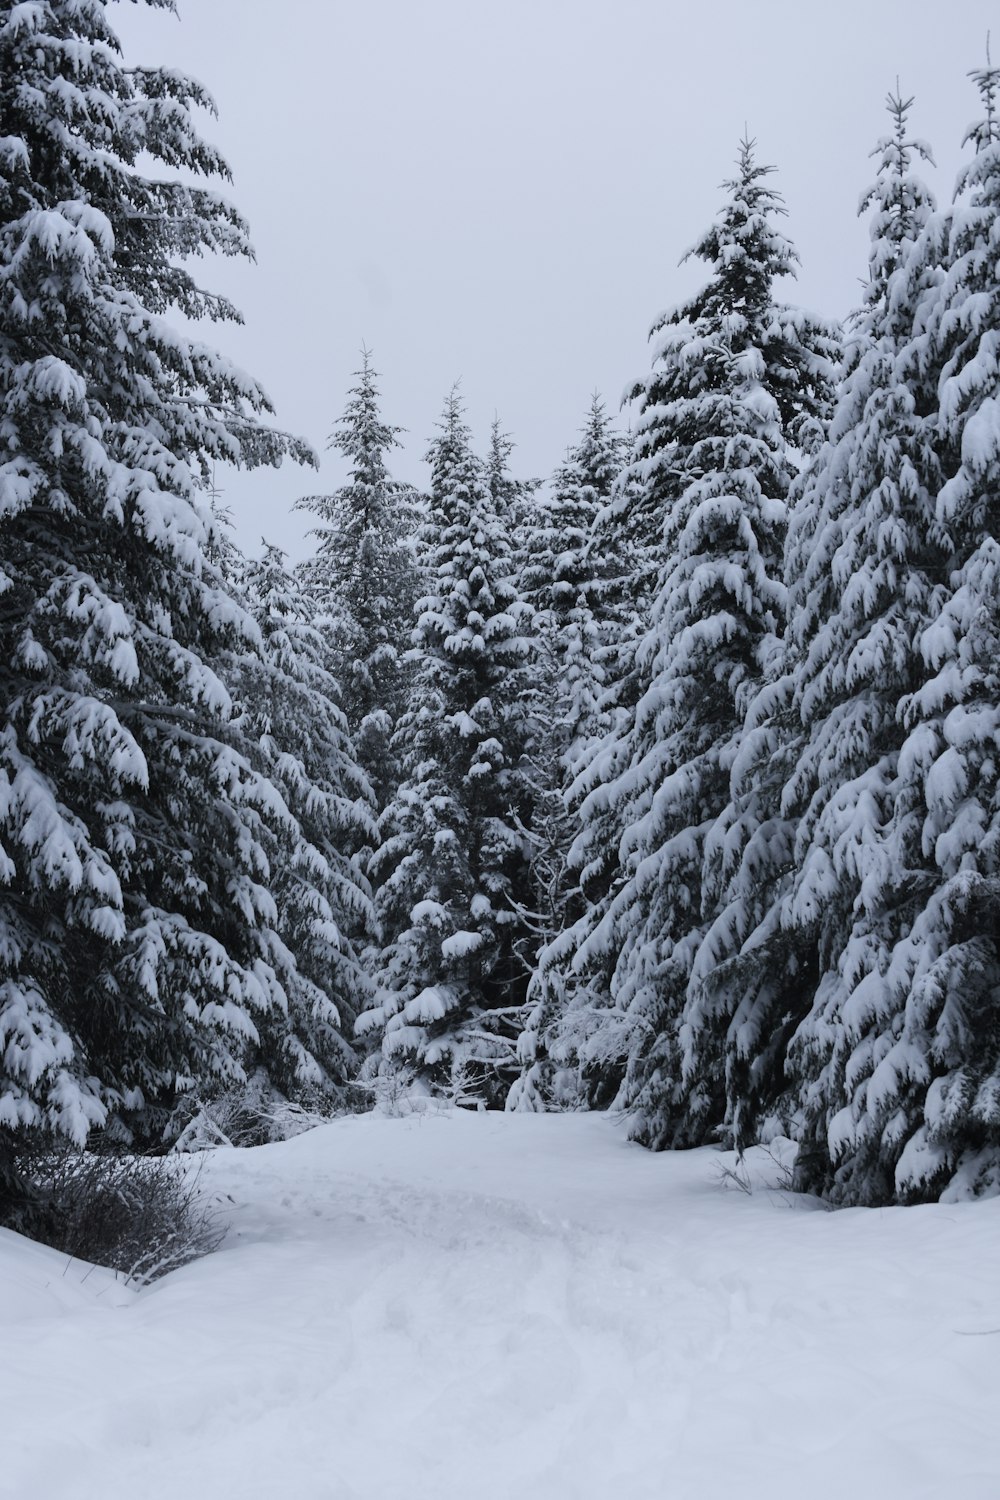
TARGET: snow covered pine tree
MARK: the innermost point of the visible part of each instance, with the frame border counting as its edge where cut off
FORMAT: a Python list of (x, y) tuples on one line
[(812, 778), (137, 939), (571, 577), (514, 500), (294, 733), (906, 1101), (863, 560), (576, 581), (737, 379), (453, 864), (363, 579)]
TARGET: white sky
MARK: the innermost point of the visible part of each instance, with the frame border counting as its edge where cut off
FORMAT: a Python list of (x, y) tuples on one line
[(500, 190)]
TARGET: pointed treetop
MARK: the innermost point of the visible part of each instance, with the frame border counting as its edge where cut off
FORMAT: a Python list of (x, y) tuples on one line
[(502, 487), (744, 248), (980, 177), (502, 445), (450, 453), (750, 173), (360, 434), (600, 443), (987, 80), (453, 417), (902, 202), (367, 375), (746, 160)]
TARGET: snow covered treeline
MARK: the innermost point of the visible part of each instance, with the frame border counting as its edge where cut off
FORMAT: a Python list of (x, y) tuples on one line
[(670, 784), (796, 930)]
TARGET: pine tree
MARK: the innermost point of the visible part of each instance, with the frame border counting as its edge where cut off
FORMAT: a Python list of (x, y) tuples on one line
[(574, 575), (737, 379), (362, 577), (137, 940), (574, 580), (515, 500), (293, 731), (907, 1101), (815, 774), (452, 865)]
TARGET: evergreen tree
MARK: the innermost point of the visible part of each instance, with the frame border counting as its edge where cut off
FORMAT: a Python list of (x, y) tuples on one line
[(362, 577), (452, 865), (518, 505), (814, 776), (138, 948), (737, 379), (513, 499), (900, 1060), (575, 576), (901, 206), (575, 581), (296, 735)]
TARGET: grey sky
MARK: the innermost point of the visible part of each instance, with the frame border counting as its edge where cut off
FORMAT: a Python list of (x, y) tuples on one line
[(501, 191)]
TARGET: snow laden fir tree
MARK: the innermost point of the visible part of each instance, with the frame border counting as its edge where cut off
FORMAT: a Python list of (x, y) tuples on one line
[(738, 378), (574, 578), (140, 941), (791, 847), (452, 868), (294, 732), (579, 584), (864, 562), (363, 580), (897, 1064)]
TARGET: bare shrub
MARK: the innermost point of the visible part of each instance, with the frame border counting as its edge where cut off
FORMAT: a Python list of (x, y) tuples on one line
[(140, 1216), (735, 1177)]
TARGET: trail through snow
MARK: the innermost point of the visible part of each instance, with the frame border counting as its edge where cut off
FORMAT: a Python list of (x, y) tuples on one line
[(502, 1308)]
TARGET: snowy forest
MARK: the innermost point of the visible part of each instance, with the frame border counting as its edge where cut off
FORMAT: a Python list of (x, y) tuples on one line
[(667, 784)]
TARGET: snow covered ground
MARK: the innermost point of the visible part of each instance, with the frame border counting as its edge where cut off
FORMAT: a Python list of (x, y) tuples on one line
[(502, 1308)]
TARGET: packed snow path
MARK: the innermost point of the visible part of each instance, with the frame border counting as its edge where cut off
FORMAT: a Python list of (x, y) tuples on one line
[(504, 1308)]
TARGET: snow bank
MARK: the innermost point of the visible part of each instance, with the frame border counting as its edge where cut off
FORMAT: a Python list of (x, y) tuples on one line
[(508, 1307)]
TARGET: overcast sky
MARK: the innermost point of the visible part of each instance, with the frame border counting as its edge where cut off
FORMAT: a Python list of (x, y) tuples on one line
[(500, 190)]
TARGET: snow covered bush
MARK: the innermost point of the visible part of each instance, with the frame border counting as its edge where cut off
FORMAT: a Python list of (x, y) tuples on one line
[(254, 1113)]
